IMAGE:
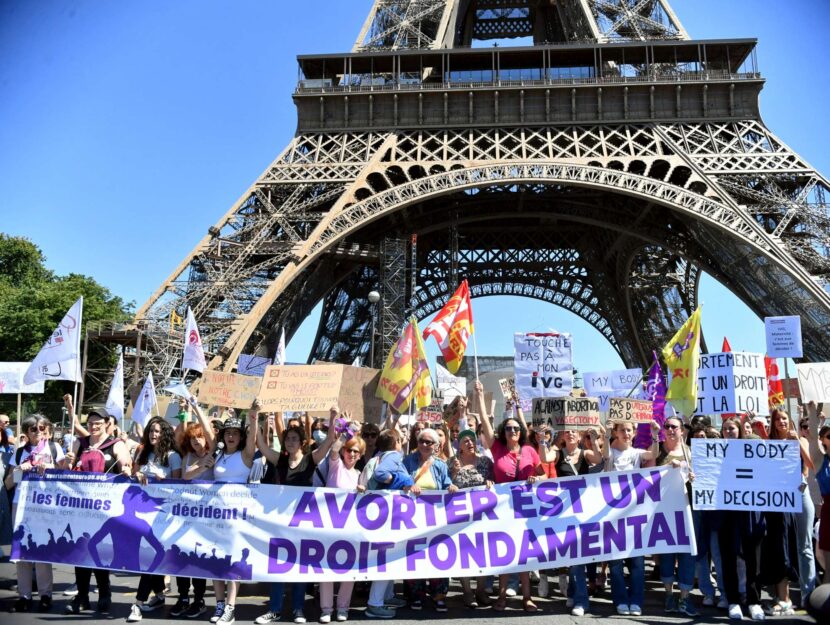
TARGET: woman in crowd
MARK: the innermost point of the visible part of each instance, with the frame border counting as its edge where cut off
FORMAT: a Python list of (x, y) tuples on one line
[(469, 469), (621, 455), (196, 447), (673, 452), (294, 468), (36, 454), (444, 451), (823, 477), (157, 460), (804, 521), (233, 464), (739, 534), (414, 432), (344, 454), (428, 472), (6, 452), (369, 433), (514, 460)]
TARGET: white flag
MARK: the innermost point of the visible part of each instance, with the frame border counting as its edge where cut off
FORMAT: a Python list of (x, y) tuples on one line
[(194, 355), (60, 356), (145, 401), (279, 357), (115, 399), (179, 389)]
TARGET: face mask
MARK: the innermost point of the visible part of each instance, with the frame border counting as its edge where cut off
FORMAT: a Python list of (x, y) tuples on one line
[(319, 436)]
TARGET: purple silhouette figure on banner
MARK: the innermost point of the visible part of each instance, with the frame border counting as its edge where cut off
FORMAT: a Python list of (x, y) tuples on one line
[(127, 531)]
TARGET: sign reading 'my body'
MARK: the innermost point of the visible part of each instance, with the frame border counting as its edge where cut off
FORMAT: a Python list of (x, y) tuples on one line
[(566, 413), (730, 382), (746, 474), (261, 532), (607, 384), (543, 364)]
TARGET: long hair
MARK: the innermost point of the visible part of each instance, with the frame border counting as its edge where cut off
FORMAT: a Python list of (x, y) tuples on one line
[(522, 432), (734, 421), (193, 430), (165, 444), (773, 429)]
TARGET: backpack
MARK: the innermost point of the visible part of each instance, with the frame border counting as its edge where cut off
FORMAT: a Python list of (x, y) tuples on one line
[(93, 459), (53, 449), (368, 475)]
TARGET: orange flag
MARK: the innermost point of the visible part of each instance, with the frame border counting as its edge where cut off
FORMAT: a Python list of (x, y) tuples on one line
[(776, 388), (453, 326)]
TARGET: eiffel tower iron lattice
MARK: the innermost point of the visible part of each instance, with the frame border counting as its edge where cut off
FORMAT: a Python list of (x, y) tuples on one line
[(602, 169)]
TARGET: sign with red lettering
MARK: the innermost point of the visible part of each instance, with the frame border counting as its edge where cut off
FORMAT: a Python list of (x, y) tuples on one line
[(566, 413)]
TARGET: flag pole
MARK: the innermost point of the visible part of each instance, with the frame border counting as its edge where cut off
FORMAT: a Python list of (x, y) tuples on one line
[(475, 354), (19, 416)]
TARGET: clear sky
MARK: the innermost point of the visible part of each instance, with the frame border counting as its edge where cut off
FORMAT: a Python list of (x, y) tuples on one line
[(128, 128)]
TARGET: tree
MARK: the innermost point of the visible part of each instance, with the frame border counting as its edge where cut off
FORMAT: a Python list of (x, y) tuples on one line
[(33, 300)]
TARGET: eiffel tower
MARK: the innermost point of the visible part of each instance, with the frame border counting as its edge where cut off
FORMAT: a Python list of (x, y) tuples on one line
[(602, 169)]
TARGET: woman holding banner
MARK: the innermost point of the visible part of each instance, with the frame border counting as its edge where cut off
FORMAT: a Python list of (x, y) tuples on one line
[(621, 455), (513, 460)]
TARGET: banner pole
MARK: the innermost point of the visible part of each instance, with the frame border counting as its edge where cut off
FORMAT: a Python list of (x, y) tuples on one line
[(19, 415), (74, 414)]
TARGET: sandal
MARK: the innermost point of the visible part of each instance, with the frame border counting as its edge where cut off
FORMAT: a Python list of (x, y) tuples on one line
[(529, 606), (780, 608), (500, 604)]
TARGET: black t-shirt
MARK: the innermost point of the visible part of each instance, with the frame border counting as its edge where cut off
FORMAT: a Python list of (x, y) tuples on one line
[(298, 476)]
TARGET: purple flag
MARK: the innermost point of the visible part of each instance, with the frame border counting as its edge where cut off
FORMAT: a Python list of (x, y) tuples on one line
[(656, 392)]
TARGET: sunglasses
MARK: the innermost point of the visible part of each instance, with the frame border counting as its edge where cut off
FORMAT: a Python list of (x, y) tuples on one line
[(805, 427), (671, 427), (38, 428), (352, 451), (512, 428), (369, 435), (427, 442)]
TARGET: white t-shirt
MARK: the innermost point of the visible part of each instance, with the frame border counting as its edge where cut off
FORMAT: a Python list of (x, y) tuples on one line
[(155, 469), (625, 460), (44, 457)]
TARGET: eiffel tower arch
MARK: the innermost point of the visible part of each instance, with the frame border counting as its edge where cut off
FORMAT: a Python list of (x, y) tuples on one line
[(602, 169)]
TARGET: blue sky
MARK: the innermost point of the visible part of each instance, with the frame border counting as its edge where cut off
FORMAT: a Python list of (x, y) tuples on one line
[(128, 128)]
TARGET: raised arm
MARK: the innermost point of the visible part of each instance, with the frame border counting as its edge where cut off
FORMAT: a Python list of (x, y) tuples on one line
[(77, 428), (210, 436), (654, 450), (520, 415), (487, 434), (320, 453), (253, 434), (816, 454)]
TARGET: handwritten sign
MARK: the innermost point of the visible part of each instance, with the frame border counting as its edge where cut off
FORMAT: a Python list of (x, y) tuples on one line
[(566, 413), (508, 387), (316, 388), (543, 364), (783, 337), (11, 379), (814, 381), (742, 474), (627, 410), (730, 382), (450, 386), (607, 384), (228, 389)]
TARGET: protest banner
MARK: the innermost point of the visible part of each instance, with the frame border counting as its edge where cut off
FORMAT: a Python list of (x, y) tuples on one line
[(543, 364), (507, 387), (450, 386), (316, 388), (730, 382), (814, 381), (11, 379), (434, 413), (783, 337), (627, 410), (258, 532), (217, 388), (744, 474), (566, 413), (607, 384)]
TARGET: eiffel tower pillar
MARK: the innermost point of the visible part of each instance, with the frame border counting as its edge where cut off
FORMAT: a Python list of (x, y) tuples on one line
[(601, 169)]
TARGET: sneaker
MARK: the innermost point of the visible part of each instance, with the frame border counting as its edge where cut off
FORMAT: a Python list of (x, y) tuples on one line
[(415, 604), (180, 607), (379, 611), (578, 611), (45, 603), (395, 602), (325, 617), (71, 591), (685, 606), (440, 605), (510, 592), (671, 603), (341, 616), (22, 605), (268, 617), (152, 603), (735, 612), (756, 613), (708, 601), (104, 605), (299, 617), (196, 609), (723, 604), (220, 610), (623, 610), (634, 610), (76, 606), (544, 589), (135, 614), (227, 616)]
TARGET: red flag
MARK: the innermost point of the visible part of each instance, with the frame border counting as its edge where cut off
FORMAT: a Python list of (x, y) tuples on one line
[(453, 326), (776, 388), (726, 347)]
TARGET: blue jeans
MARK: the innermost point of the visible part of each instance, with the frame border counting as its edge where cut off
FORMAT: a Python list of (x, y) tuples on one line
[(806, 559), (685, 569), (707, 545), (578, 586), (633, 593), (278, 592)]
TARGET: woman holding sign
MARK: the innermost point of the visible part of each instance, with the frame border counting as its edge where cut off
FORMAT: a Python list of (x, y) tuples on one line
[(621, 455), (514, 460)]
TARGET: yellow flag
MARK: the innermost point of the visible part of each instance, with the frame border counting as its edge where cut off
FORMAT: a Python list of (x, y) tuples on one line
[(406, 373), (175, 321), (682, 354)]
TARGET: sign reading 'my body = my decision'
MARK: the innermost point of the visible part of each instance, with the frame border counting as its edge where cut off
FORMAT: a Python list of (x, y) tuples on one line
[(566, 413), (746, 474), (730, 382)]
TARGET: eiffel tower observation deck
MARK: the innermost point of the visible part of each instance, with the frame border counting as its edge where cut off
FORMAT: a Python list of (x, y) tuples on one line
[(602, 169)]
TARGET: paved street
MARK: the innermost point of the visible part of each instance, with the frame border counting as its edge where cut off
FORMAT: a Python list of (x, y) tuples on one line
[(553, 611)]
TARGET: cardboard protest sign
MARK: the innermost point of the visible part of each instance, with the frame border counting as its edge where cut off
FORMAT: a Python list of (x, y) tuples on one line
[(814, 381), (606, 384), (543, 364), (508, 387), (316, 388), (434, 413), (11, 379), (217, 388), (730, 382), (742, 474), (783, 337), (627, 410), (566, 413), (450, 386)]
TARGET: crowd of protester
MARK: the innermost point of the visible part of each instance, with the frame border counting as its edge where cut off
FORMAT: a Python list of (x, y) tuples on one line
[(744, 551)]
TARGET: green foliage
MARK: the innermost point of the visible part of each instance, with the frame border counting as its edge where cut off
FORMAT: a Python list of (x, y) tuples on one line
[(33, 301)]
